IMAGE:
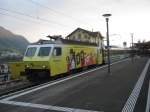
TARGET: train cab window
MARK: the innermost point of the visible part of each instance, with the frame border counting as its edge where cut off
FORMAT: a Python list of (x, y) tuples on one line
[(57, 51), (30, 51), (44, 51)]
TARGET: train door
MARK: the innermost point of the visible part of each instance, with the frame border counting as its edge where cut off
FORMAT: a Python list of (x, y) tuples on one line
[(56, 61), (99, 56)]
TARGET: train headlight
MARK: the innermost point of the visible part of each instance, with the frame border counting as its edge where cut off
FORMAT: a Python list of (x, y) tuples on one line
[(44, 66), (27, 66)]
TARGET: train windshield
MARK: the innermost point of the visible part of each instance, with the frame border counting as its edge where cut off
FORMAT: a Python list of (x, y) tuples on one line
[(44, 51), (31, 51)]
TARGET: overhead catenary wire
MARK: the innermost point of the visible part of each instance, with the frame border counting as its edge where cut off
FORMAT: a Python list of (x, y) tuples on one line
[(22, 19), (33, 17), (60, 13)]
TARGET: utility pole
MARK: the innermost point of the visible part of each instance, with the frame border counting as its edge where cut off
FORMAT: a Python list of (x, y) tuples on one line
[(132, 55), (132, 40)]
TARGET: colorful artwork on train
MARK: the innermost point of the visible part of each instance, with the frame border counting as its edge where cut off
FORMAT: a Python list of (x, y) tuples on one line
[(77, 59)]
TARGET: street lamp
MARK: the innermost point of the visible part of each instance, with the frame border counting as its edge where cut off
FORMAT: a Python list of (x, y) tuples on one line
[(108, 47)]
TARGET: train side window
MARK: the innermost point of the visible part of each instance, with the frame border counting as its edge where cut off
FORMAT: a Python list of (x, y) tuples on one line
[(57, 51)]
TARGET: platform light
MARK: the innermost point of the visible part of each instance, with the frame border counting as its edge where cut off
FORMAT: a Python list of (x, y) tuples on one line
[(106, 16)]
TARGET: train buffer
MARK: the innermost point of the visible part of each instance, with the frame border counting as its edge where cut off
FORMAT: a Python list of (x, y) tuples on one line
[(92, 90)]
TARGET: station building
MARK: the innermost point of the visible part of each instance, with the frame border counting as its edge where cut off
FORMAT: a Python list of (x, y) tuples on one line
[(86, 36)]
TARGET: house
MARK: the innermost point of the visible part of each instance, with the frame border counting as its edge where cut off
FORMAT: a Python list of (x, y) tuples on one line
[(86, 36)]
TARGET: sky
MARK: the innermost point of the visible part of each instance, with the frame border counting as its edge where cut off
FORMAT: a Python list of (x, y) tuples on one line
[(35, 19)]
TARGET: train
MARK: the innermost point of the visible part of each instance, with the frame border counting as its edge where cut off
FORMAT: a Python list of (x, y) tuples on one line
[(47, 59)]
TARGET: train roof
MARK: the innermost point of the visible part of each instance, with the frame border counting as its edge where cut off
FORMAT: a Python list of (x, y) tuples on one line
[(64, 41)]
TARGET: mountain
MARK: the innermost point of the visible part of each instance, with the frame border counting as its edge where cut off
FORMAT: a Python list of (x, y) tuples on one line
[(12, 42)]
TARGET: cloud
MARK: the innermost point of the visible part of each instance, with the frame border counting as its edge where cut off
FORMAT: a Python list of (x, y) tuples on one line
[(127, 16)]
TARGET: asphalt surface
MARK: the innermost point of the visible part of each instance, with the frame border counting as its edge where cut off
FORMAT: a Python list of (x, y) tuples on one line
[(141, 102), (97, 90)]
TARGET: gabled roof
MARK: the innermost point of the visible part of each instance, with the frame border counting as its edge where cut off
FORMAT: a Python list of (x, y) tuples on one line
[(93, 34)]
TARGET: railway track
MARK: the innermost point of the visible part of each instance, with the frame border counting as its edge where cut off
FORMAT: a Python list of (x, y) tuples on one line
[(11, 87), (7, 87)]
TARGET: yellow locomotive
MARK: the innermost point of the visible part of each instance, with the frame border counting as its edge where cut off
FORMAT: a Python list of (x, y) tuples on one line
[(46, 59)]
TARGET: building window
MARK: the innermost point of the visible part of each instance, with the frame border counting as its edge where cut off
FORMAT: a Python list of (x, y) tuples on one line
[(79, 37), (73, 38), (95, 39), (89, 39), (85, 38)]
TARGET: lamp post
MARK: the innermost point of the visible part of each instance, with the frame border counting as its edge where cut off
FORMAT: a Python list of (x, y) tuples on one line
[(108, 47)]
